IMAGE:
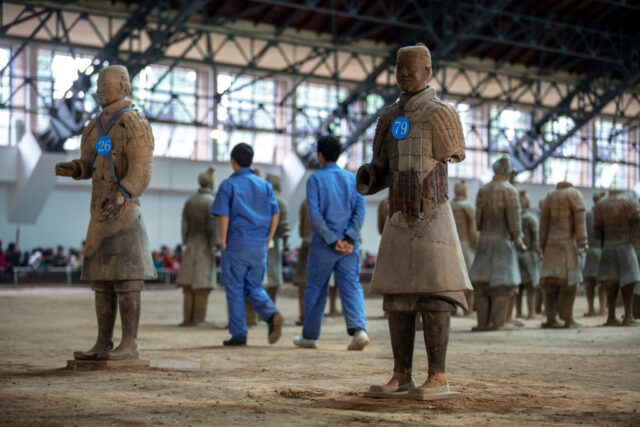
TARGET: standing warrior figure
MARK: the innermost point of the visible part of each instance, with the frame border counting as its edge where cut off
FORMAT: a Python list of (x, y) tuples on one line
[(529, 259), (592, 263), (617, 218), (274, 253), (495, 272), (420, 266), (115, 152), (464, 214), (562, 233), (300, 275), (200, 234)]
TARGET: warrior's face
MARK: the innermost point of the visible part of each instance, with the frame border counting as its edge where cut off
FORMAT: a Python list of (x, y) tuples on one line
[(411, 73), (113, 85)]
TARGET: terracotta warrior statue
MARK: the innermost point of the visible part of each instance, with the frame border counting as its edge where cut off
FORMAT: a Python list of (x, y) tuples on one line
[(420, 266), (529, 259), (636, 292), (495, 272), (300, 274), (562, 233), (280, 240), (617, 219), (592, 264), (116, 153), (464, 214), (200, 234)]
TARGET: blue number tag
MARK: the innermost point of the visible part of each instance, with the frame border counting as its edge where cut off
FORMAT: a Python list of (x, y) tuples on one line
[(103, 146), (400, 127)]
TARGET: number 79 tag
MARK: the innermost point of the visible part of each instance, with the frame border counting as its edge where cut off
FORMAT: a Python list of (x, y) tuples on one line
[(400, 127)]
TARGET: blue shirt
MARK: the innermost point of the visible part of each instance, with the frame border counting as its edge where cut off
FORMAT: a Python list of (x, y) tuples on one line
[(249, 202), (336, 209)]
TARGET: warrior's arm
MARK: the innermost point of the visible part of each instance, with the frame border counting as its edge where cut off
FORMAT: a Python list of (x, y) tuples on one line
[(580, 218), (139, 151), (471, 224), (84, 168), (373, 177), (185, 224), (544, 224)]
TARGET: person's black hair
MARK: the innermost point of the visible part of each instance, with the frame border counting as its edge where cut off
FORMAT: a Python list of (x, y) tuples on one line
[(329, 147), (243, 154)]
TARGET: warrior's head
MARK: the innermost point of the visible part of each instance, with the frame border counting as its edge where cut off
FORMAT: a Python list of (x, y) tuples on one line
[(598, 195), (205, 179), (275, 181), (524, 199), (413, 68), (502, 167), (113, 84), (460, 190)]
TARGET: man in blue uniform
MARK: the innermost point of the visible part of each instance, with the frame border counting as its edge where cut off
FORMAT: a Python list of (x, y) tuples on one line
[(248, 216), (336, 213)]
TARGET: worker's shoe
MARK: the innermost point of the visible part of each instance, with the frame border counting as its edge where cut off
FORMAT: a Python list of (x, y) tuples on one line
[(303, 342), (360, 340), (397, 384), (231, 342), (275, 328)]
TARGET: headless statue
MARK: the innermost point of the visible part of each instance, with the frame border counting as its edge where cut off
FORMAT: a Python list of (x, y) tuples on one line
[(300, 274), (592, 264), (529, 259)]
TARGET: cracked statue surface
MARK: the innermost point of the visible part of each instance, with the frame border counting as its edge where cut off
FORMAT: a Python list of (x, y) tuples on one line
[(116, 152), (420, 267)]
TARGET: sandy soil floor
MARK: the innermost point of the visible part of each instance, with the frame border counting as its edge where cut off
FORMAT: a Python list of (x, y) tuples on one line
[(526, 377)]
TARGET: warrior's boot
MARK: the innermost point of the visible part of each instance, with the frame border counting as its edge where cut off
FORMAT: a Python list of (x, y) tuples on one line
[(612, 295), (590, 290), (436, 339), (499, 311), (251, 315), (566, 300), (627, 297), (106, 310), (483, 306), (636, 306), (333, 296), (129, 303), (188, 307), (469, 296), (551, 292), (531, 301), (402, 331), (301, 288), (201, 302), (272, 291)]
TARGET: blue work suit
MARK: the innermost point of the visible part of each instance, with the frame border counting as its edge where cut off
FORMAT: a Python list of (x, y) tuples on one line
[(250, 204), (336, 212)]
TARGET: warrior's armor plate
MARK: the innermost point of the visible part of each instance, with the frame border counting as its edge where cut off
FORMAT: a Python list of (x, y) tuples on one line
[(562, 231), (419, 253), (117, 247), (499, 223), (617, 218)]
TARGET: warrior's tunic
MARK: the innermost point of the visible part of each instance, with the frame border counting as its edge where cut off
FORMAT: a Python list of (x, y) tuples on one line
[(529, 258), (592, 262), (465, 216), (117, 248), (420, 254)]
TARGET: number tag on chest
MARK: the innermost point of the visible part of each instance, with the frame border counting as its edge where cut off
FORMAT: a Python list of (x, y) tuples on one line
[(400, 127), (104, 145)]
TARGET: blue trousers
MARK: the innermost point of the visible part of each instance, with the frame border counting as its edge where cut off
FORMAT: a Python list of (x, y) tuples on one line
[(322, 262), (242, 272)]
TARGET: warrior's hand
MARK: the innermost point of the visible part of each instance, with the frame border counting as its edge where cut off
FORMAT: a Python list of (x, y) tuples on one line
[(520, 245), (285, 244), (67, 169), (113, 205), (584, 249)]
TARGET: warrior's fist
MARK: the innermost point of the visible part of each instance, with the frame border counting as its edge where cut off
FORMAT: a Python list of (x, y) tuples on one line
[(113, 205), (67, 169), (520, 245)]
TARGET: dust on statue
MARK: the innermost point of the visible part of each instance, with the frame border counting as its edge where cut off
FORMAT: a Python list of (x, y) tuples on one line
[(116, 153), (420, 266)]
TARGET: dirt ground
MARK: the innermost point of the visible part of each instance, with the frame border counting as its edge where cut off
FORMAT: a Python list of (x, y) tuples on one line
[(526, 377)]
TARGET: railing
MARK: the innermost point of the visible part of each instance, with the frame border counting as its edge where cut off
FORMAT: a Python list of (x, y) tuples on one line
[(22, 272)]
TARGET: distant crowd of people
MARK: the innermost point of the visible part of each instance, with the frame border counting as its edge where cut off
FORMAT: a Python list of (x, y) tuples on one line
[(39, 259)]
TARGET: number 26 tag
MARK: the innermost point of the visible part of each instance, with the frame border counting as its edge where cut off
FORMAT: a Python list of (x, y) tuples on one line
[(103, 146), (400, 127)]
